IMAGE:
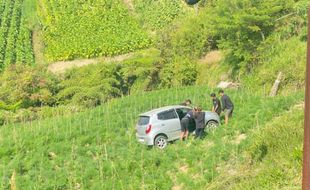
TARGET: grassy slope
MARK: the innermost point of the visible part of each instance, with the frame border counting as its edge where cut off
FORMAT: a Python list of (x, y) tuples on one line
[(97, 149), (272, 160)]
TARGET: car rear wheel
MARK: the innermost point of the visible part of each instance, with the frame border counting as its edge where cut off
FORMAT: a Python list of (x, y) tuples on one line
[(161, 141), (212, 125)]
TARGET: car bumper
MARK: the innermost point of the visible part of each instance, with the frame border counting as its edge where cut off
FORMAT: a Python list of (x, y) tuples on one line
[(147, 140)]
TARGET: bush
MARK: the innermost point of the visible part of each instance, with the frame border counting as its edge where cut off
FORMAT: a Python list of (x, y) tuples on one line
[(95, 84), (180, 73), (27, 86), (244, 24)]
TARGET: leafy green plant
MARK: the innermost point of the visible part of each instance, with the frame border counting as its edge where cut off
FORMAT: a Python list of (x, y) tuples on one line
[(85, 29), (156, 15)]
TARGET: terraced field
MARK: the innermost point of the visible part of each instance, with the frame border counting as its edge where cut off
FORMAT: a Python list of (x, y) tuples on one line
[(15, 37), (83, 29)]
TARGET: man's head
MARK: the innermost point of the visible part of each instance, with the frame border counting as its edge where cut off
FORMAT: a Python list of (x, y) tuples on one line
[(188, 102), (213, 95), (221, 92), (199, 109)]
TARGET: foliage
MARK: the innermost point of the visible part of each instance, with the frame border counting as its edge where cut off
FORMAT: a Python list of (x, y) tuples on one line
[(180, 73), (244, 25), (95, 84), (97, 149), (15, 37), (26, 86), (181, 45), (156, 15), (190, 38), (75, 29), (277, 55)]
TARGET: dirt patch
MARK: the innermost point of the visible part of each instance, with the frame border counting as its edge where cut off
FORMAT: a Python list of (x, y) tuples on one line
[(300, 106), (208, 144), (211, 57), (129, 4), (177, 187), (61, 66), (184, 168), (240, 138)]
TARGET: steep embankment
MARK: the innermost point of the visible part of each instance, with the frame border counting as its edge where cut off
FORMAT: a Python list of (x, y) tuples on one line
[(97, 149)]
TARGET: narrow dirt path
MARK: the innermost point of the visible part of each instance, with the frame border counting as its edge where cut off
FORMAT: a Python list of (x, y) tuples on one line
[(62, 66)]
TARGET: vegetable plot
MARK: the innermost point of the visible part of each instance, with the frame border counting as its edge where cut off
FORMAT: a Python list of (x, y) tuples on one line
[(76, 29), (15, 37)]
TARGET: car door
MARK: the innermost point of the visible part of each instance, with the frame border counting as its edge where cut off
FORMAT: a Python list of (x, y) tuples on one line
[(170, 123)]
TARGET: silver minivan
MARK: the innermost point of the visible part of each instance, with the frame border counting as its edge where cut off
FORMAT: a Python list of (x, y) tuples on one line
[(159, 126)]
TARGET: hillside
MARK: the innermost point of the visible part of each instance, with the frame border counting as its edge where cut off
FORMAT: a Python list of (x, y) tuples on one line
[(74, 75), (97, 149)]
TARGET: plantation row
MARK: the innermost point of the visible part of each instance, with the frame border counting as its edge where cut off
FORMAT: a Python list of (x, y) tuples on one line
[(88, 29), (15, 37)]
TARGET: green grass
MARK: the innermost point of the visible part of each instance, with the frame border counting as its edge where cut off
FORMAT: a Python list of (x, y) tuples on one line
[(278, 55), (272, 159), (97, 149)]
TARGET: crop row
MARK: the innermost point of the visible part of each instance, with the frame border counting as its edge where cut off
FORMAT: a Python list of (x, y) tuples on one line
[(15, 37)]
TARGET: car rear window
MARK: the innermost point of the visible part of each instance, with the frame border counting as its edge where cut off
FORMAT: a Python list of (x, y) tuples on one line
[(143, 120)]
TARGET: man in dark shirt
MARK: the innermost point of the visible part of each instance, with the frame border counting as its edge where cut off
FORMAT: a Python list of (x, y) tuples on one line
[(216, 104), (185, 123), (199, 117), (227, 105)]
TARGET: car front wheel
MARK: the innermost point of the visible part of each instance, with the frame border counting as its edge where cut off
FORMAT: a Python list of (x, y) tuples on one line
[(161, 141), (211, 125)]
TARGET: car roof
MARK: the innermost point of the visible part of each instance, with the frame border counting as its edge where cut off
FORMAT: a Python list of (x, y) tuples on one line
[(158, 110)]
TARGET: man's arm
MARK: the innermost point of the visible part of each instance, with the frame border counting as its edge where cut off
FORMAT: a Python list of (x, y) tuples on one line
[(223, 103), (215, 108)]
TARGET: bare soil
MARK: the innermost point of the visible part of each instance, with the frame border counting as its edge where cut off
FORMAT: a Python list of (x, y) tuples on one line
[(61, 66)]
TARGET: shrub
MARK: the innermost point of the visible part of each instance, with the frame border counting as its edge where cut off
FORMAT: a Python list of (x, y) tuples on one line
[(27, 86)]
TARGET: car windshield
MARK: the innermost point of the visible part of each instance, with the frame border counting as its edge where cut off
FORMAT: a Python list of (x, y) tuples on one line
[(144, 120)]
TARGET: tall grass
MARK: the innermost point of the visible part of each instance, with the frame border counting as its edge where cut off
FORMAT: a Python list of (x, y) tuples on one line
[(97, 149), (272, 160)]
